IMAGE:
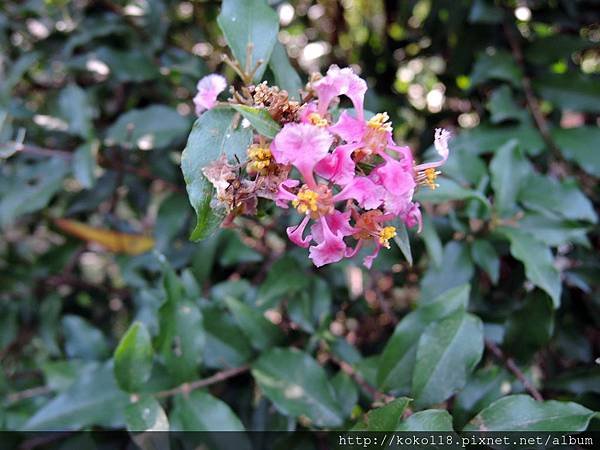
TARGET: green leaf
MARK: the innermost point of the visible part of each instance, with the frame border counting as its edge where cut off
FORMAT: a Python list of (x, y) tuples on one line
[(18, 69), (146, 414), (483, 387), (298, 386), (346, 392), (181, 339), (226, 345), (578, 381), (485, 256), (200, 411), (133, 358), (537, 259), (549, 49), (213, 134), (449, 190), (488, 138), (285, 278), (521, 338), (428, 420), (84, 163), (77, 109), (29, 187), (502, 106), (402, 241), (310, 307), (563, 198), (155, 126), (286, 76), (448, 351), (398, 357), (252, 22), (577, 145), (125, 65), (509, 170), (93, 399), (455, 269), (571, 91), (432, 241), (386, 418), (83, 340), (262, 333), (497, 66), (523, 413), (260, 119), (554, 231)]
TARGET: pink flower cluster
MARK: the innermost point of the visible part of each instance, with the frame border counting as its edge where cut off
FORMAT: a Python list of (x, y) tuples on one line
[(354, 181), (335, 192)]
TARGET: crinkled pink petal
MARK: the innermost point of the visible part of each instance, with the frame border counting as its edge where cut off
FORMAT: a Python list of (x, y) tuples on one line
[(331, 249), (283, 195), (303, 146), (368, 260), (362, 189), (338, 222), (349, 128), (407, 157), (341, 82), (395, 176), (295, 233), (412, 216), (338, 167), (209, 87), (396, 203)]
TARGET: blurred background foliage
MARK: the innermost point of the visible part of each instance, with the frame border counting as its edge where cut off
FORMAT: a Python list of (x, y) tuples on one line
[(95, 108)]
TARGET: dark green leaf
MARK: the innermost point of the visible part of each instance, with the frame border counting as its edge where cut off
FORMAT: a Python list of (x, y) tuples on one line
[(94, 399), (133, 358), (449, 190), (509, 170), (83, 340), (260, 119), (485, 256), (499, 65), (285, 278), (521, 338), (455, 269), (261, 333), (398, 357), (576, 145), (200, 411), (226, 345), (298, 386), (402, 241), (213, 135), (432, 241), (523, 413), (346, 392), (252, 22), (502, 106), (146, 414), (84, 164), (309, 308), (579, 381), (428, 420), (286, 76), (77, 109), (572, 91), (537, 259), (447, 352), (148, 128), (386, 418)]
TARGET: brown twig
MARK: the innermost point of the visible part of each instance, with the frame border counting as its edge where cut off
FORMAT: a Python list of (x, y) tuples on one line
[(364, 384), (530, 98), (27, 393), (216, 378), (510, 365)]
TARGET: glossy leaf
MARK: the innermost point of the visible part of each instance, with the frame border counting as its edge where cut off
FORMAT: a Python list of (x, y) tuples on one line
[(261, 333), (428, 420), (447, 352), (286, 76), (252, 22), (214, 134), (509, 170), (146, 414), (385, 418), (298, 386), (260, 119), (523, 413), (133, 358)]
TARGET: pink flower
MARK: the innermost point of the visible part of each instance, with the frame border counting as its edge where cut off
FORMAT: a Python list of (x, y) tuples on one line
[(295, 233), (368, 194), (341, 82), (349, 128), (338, 166), (303, 146), (209, 87), (331, 247), (338, 222)]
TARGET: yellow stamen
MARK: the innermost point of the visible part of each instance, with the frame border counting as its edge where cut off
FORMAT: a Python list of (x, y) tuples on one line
[(380, 121), (307, 201), (317, 120), (259, 158), (385, 235), (430, 175)]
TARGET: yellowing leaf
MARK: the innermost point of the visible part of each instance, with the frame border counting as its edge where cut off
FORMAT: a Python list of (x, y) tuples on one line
[(131, 244)]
